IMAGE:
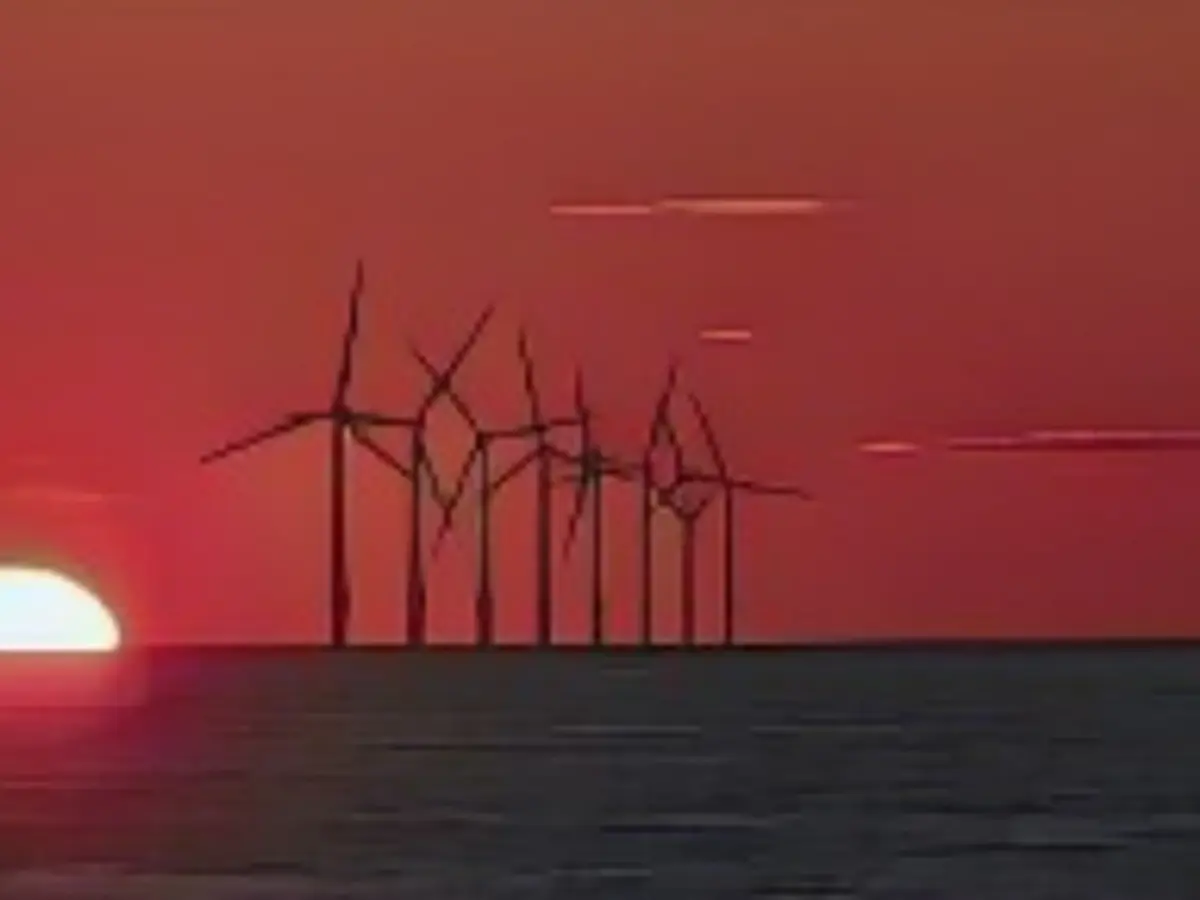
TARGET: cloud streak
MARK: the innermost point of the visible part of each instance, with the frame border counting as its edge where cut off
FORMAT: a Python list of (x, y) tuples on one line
[(726, 335), (601, 210), (60, 496), (889, 448), (703, 207), (745, 207), (1081, 441), (1089, 440)]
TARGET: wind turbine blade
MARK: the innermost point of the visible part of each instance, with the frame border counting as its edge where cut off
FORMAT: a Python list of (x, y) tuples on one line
[(380, 420), (379, 452), (710, 435), (452, 394), (753, 487), (285, 426), (662, 426), (442, 382), (610, 465), (514, 470), (672, 378), (558, 455), (537, 430), (583, 415), (781, 490), (676, 445), (577, 392), (460, 487), (392, 462), (581, 492), (349, 338), (663, 430), (439, 495), (444, 529), (663, 404), (527, 375)]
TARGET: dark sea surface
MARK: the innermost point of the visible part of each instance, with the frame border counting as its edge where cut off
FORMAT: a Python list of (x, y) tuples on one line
[(885, 773)]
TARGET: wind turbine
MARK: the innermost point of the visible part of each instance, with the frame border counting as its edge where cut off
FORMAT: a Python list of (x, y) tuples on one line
[(729, 486), (594, 466), (343, 421), (543, 455), (659, 430), (679, 498), (480, 457), (687, 507), (417, 599)]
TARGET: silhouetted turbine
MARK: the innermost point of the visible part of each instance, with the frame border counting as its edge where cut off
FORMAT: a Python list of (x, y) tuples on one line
[(543, 455), (659, 429), (480, 454), (545, 586), (343, 421), (594, 466), (485, 598), (417, 602), (417, 588), (729, 486), (687, 510)]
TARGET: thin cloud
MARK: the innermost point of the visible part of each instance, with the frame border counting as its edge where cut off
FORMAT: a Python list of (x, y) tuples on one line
[(726, 335), (61, 496), (601, 210), (1082, 440), (991, 442), (746, 207), (889, 447), (704, 206)]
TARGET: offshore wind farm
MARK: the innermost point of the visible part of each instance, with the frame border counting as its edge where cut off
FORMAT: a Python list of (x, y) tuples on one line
[(676, 451), (560, 450)]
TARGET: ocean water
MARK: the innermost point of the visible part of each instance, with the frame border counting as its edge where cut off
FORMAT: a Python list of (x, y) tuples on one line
[(786, 774)]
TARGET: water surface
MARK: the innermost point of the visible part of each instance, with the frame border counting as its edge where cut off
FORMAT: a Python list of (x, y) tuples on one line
[(872, 773)]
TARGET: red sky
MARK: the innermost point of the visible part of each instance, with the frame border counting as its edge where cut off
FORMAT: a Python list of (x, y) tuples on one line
[(183, 194)]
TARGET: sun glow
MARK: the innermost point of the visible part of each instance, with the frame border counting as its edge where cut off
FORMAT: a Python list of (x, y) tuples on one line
[(44, 611)]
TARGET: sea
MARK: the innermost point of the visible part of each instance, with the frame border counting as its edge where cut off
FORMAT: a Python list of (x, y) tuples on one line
[(1014, 772)]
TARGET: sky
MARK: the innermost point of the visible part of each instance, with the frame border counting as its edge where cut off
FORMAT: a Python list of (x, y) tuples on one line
[(186, 187)]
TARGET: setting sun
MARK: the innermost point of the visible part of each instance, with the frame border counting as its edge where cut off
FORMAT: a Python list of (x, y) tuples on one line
[(43, 611)]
